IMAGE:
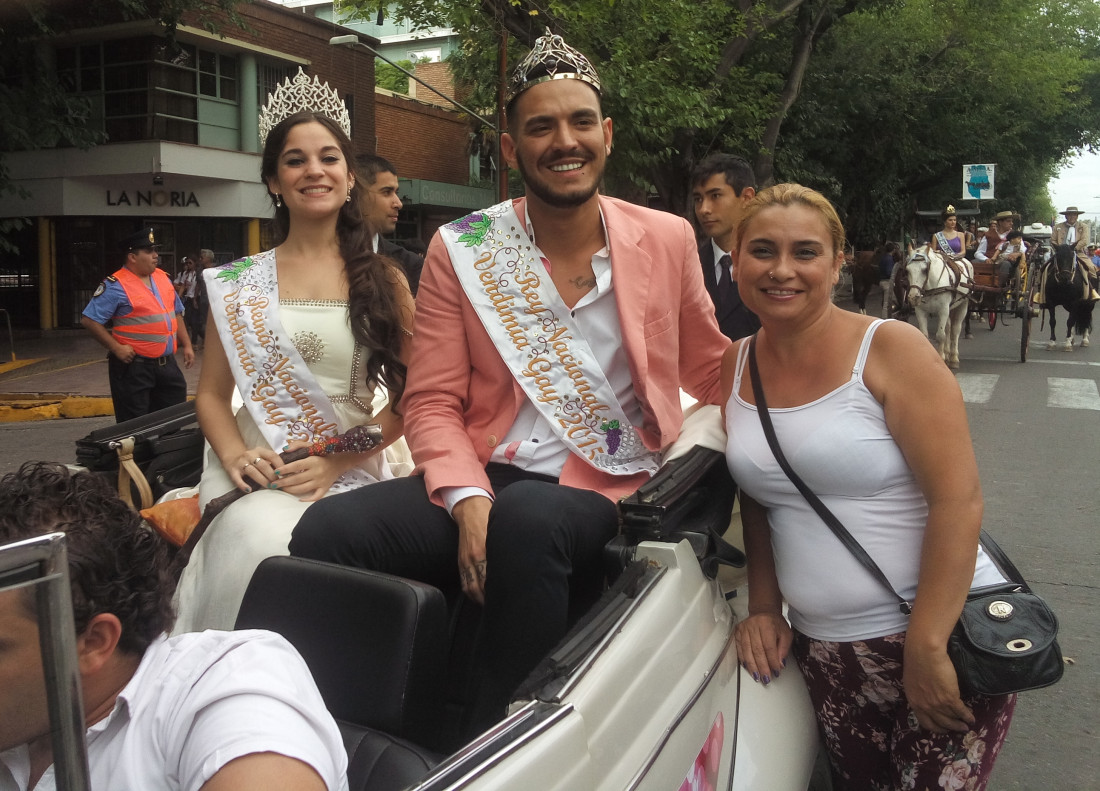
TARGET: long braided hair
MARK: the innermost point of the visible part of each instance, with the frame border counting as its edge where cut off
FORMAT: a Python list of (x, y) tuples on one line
[(373, 280)]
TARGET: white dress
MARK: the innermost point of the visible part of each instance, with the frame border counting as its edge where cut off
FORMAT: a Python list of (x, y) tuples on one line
[(259, 525)]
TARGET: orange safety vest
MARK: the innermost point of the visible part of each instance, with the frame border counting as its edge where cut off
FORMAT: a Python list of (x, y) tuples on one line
[(150, 327)]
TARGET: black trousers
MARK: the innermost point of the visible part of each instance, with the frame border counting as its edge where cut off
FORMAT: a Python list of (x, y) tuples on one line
[(144, 385), (194, 318), (543, 560)]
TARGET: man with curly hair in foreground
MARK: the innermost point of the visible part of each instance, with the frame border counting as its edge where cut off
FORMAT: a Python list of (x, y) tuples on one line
[(211, 710)]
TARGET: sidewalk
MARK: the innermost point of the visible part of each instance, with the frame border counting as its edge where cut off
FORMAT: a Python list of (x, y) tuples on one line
[(59, 374)]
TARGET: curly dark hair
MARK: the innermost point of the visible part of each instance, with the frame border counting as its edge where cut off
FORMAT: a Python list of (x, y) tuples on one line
[(116, 564), (373, 280)]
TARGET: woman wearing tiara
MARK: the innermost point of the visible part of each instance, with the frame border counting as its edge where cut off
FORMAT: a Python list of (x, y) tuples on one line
[(950, 241), (308, 331)]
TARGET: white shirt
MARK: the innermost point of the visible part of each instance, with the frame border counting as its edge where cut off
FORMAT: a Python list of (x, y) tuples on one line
[(197, 702), (532, 443), (718, 253), (187, 279)]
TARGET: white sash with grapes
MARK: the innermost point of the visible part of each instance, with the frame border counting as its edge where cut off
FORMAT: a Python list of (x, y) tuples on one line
[(533, 331), (279, 391)]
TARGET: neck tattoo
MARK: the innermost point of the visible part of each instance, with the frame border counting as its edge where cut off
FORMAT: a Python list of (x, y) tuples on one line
[(584, 282)]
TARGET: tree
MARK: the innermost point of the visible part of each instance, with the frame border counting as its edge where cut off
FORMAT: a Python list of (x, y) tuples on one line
[(391, 78), (677, 74), (877, 103), (886, 122)]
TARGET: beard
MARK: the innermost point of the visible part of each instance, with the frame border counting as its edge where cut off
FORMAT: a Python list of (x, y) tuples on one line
[(568, 199)]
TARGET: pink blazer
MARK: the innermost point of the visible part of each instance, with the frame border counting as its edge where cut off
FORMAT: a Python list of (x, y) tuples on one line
[(461, 399)]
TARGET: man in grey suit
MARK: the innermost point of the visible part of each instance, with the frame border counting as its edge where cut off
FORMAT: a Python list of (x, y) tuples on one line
[(721, 185)]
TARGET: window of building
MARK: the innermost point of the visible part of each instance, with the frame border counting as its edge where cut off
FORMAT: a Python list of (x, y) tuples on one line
[(218, 76), (269, 77), (426, 55), (147, 88)]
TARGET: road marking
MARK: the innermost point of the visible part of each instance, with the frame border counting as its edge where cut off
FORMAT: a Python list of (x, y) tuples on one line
[(1072, 393), (977, 388), (1030, 360)]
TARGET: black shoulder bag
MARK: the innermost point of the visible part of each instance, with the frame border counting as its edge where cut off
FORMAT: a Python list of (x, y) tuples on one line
[(1006, 637)]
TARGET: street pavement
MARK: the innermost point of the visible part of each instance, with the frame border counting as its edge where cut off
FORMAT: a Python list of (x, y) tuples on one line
[(56, 374), (1035, 428)]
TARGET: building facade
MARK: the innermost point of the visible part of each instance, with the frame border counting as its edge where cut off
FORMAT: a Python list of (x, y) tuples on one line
[(182, 150)]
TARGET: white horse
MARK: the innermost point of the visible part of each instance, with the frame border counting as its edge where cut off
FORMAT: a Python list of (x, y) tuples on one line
[(938, 288)]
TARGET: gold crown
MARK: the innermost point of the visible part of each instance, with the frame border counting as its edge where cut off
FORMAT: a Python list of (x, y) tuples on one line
[(298, 94), (950, 209), (551, 59)]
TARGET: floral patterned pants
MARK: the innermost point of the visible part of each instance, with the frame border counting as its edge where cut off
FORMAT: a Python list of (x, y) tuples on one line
[(871, 734)]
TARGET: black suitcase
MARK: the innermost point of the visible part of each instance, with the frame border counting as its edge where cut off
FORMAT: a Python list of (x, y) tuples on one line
[(168, 449), (690, 498)]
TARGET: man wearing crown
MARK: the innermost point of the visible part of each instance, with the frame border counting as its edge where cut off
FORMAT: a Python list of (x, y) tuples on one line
[(553, 334)]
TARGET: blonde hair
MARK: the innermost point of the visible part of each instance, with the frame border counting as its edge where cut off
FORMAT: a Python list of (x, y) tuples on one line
[(789, 195)]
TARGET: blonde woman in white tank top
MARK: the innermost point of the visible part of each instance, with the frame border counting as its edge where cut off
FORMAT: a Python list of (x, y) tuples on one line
[(874, 422)]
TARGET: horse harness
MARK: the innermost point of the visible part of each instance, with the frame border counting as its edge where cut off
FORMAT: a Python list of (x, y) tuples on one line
[(955, 278)]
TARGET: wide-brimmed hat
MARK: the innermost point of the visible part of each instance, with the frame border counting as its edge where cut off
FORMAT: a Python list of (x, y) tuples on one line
[(1071, 210), (1006, 215)]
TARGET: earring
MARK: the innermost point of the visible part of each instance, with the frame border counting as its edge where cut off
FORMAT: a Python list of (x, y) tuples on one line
[(278, 201), (348, 198)]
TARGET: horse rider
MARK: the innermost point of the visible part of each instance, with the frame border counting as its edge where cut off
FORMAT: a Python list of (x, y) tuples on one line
[(993, 247), (1073, 231)]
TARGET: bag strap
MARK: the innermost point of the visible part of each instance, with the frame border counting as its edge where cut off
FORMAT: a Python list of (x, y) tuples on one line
[(991, 547), (827, 516), (127, 470)]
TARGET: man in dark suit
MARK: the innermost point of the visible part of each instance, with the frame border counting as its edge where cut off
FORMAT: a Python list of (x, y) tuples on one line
[(721, 185), (381, 205)]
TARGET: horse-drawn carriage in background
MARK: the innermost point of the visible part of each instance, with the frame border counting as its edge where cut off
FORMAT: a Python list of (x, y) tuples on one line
[(1049, 277), (996, 299)]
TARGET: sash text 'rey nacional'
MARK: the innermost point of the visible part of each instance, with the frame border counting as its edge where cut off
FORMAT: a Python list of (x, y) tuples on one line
[(531, 328)]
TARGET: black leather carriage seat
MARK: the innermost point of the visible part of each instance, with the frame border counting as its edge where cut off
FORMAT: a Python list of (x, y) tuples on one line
[(377, 647)]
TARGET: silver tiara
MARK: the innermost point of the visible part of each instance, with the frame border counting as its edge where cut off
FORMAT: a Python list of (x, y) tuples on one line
[(297, 94), (551, 59)]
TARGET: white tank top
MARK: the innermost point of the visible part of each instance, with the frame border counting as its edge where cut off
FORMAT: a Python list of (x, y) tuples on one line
[(841, 447)]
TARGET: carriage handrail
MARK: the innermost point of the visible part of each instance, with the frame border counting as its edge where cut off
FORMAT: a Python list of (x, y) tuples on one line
[(43, 563)]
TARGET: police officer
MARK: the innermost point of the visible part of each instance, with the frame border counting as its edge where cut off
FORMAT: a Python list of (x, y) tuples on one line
[(144, 311)]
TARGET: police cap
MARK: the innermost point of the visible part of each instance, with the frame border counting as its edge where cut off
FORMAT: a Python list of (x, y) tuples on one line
[(142, 240)]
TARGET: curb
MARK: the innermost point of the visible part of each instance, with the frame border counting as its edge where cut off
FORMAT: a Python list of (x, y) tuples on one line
[(26, 407), (15, 365)]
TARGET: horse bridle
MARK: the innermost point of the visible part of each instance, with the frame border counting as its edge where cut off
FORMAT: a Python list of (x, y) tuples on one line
[(954, 276)]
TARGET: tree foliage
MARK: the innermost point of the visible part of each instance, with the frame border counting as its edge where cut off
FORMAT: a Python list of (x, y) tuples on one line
[(878, 103), (391, 78)]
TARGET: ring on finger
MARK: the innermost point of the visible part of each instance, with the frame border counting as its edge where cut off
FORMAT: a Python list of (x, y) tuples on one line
[(257, 460)]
